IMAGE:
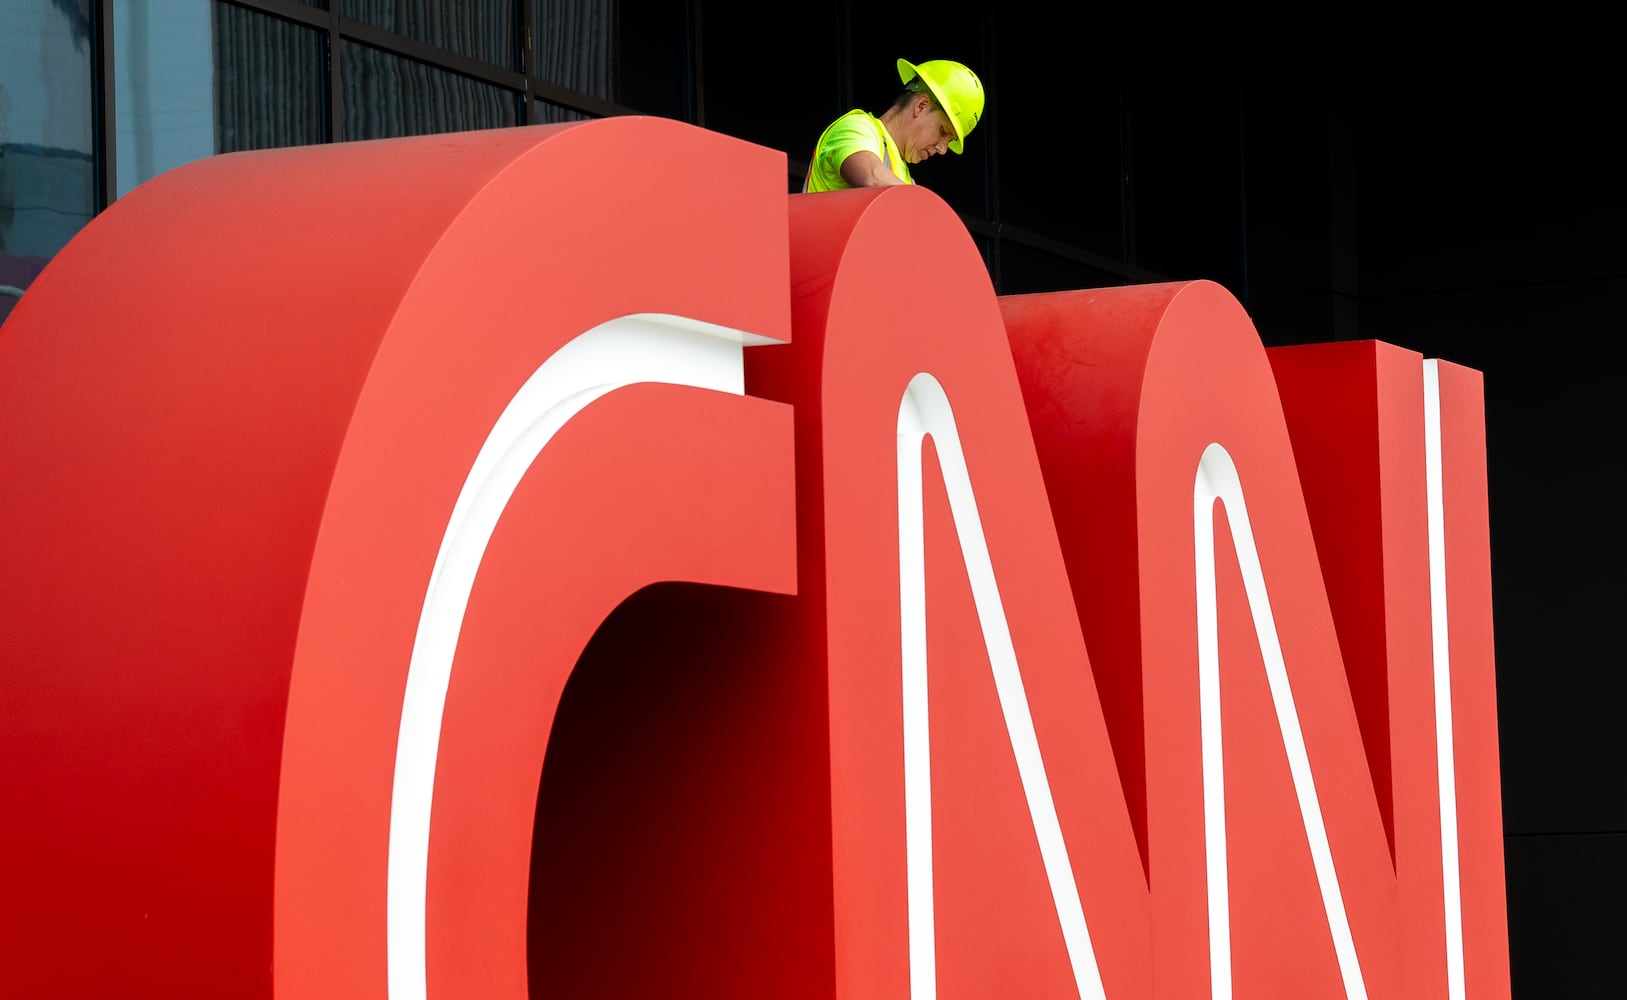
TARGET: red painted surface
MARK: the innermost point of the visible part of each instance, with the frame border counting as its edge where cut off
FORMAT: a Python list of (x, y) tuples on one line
[(235, 414)]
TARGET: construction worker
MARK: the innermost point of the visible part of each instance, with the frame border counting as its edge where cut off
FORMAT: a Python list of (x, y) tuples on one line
[(938, 107)]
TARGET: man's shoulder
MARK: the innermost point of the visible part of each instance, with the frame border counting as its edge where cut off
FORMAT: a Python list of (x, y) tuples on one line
[(855, 132), (857, 124)]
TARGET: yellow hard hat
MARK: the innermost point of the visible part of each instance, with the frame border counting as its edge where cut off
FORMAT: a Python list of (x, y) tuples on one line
[(958, 90)]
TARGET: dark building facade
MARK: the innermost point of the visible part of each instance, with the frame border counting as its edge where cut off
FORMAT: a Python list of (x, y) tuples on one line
[(1426, 187)]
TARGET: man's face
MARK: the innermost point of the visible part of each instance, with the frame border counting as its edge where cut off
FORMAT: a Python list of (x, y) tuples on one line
[(927, 133)]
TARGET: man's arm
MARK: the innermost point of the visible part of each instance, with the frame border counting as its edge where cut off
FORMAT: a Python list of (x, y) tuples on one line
[(865, 169)]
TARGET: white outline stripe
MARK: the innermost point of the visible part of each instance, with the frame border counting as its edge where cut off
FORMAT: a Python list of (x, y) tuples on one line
[(1217, 479), (632, 349), (1445, 756), (925, 410), (1214, 778)]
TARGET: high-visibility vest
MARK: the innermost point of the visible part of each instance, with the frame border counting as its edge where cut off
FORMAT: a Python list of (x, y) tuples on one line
[(889, 154)]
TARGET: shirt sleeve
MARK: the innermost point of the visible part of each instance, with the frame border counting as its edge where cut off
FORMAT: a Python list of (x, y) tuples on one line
[(847, 136)]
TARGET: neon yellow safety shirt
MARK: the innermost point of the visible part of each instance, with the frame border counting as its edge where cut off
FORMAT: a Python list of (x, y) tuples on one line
[(857, 130)]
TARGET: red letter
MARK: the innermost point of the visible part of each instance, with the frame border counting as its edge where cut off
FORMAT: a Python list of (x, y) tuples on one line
[(304, 535)]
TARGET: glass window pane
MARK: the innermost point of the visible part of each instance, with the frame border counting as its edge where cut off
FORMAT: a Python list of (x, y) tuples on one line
[(47, 172), (387, 96), (1025, 269), (479, 29), (194, 78), (1062, 168), (1186, 160), (653, 43), (785, 105), (576, 45), (270, 82), (548, 113)]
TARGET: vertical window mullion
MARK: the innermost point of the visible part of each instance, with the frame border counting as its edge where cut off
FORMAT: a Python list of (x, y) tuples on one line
[(105, 155), (336, 105), (527, 61)]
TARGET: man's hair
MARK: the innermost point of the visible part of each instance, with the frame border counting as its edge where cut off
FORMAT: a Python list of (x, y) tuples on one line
[(915, 88)]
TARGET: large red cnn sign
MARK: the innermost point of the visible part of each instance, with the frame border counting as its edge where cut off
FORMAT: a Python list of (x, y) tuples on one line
[(518, 564)]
